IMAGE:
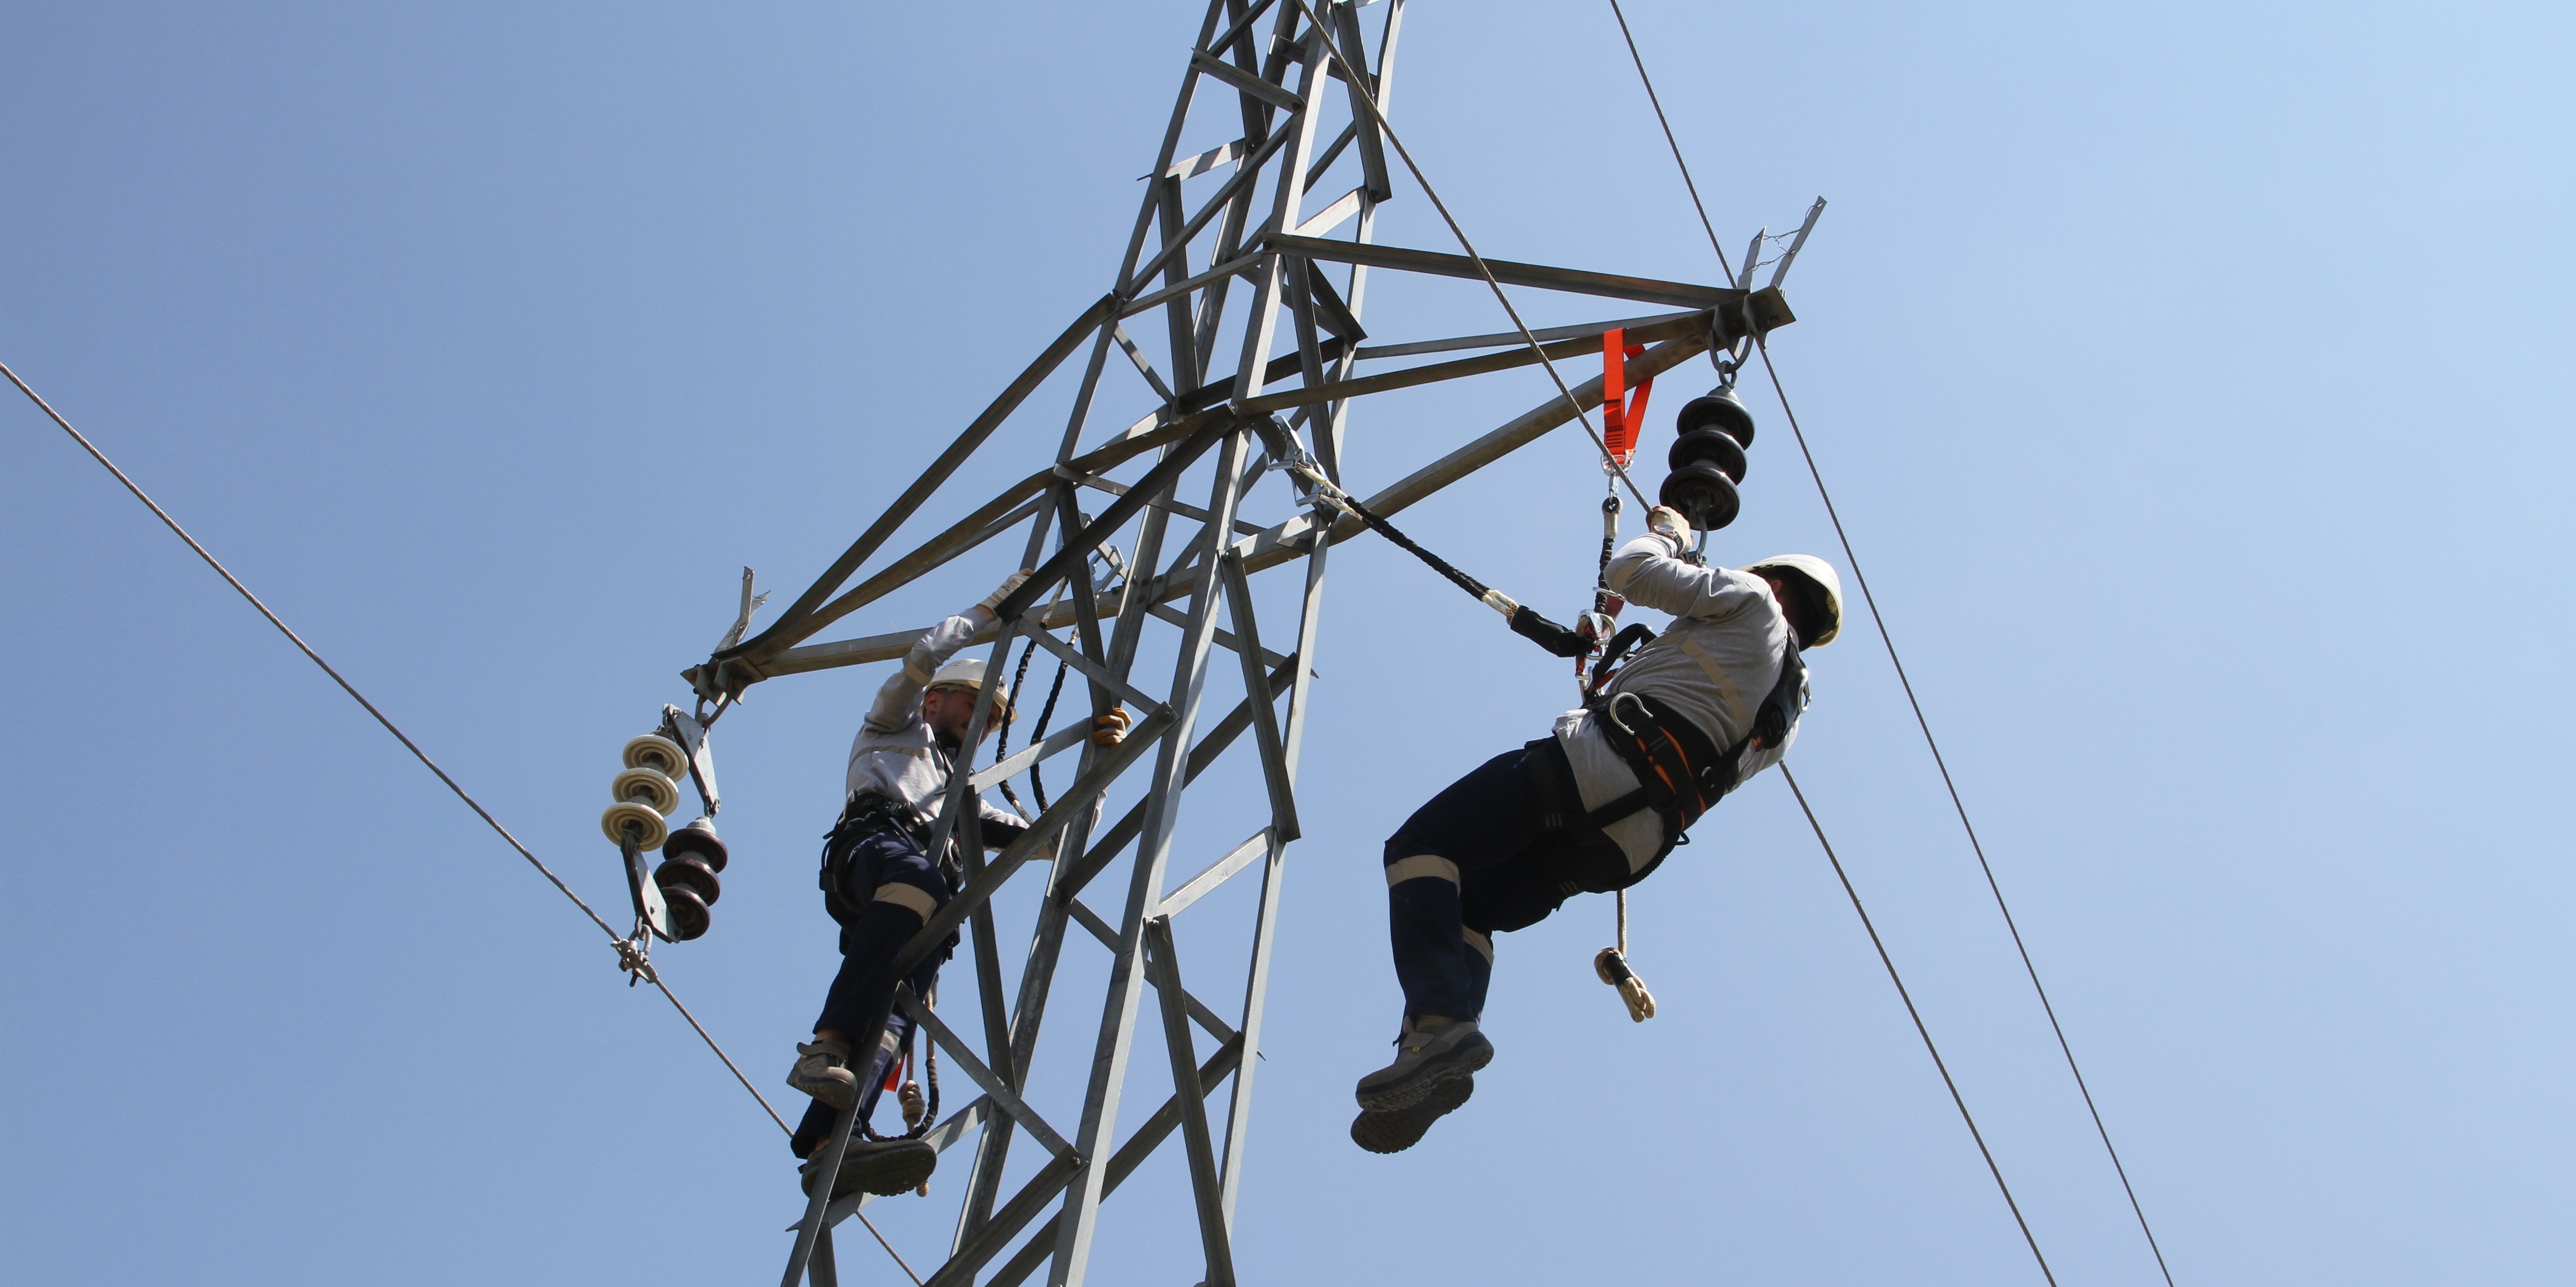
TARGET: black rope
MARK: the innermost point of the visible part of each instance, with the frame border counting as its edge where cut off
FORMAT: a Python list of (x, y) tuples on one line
[(1386, 529), (1002, 744), (1037, 783), (1917, 1016)]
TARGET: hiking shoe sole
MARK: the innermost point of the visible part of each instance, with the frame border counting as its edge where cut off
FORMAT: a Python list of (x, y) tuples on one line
[(1465, 1059), (889, 1167), (1400, 1129), (835, 1091)]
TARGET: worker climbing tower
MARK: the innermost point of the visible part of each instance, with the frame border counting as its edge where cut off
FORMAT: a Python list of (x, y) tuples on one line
[(1187, 477)]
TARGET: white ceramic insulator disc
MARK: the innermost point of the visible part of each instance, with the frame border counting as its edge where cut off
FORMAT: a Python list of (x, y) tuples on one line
[(654, 751), (647, 786), (652, 830)]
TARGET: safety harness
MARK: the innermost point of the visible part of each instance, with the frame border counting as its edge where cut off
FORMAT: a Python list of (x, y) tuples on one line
[(1680, 772)]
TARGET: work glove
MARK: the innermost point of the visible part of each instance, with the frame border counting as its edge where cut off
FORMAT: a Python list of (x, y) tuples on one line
[(1110, 729), (1664, 520), (993, 602)]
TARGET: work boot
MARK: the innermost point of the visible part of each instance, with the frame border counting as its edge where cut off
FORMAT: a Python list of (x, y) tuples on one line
[(1424, 1059), (881, 1167), (1396, 1130), (823, 1071)]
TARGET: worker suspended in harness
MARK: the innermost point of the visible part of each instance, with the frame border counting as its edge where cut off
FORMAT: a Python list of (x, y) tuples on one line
[(881, 886), (1593, 807)]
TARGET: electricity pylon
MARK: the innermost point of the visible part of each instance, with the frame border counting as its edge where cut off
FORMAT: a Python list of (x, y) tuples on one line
[(1302, 86)]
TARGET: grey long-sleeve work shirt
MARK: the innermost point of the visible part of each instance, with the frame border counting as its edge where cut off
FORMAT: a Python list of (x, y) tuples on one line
[(1714, 665), (895, 755)]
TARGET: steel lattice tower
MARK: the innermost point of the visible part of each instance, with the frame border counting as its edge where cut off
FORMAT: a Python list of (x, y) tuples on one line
[(1306, 128)]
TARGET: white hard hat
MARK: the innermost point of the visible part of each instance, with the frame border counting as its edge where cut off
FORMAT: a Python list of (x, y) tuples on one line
[(968, 673), (1821, 574)]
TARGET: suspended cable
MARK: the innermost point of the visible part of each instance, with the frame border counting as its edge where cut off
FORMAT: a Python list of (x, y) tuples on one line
[(1978, 847), (1917, 1016), (1365, 90), (645, 971), (1956, 802), (1671, 142)]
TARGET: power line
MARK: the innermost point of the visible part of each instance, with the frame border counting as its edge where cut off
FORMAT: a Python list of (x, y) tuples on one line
[(1956, 802), (649, 974), (1669, 141), (1917, 1017)]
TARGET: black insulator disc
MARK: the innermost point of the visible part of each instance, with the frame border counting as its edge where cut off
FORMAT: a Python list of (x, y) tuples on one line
[(1703, 493), (1719, 409), (688, 872), (689, 917), (698, 838), (1708, 445)]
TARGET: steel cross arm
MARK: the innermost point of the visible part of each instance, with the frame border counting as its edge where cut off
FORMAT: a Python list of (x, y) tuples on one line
[(1002, 1095), (1544, 277), (741, 662), (971, 530), (1287, 541), (1499, 339), (1686, 324), (887, 647), (777, 636)]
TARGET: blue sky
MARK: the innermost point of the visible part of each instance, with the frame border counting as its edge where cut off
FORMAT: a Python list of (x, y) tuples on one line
[(2183, 373)]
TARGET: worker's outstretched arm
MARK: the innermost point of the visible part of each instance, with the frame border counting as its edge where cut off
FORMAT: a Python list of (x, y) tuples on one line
[(899, 700), (1651, 572)]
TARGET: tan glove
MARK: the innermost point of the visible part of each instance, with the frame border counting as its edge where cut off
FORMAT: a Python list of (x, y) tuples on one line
[(1110, 729), (1663, 520), (993, 602)]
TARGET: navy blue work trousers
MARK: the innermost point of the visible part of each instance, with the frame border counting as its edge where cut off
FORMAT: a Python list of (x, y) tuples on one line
[(1472, 863), (873, 932)]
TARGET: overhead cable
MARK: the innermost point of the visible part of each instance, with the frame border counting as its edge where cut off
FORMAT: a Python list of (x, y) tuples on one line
[(1956, 803), (649, 974), (1889, 640), (1917, 1017)]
